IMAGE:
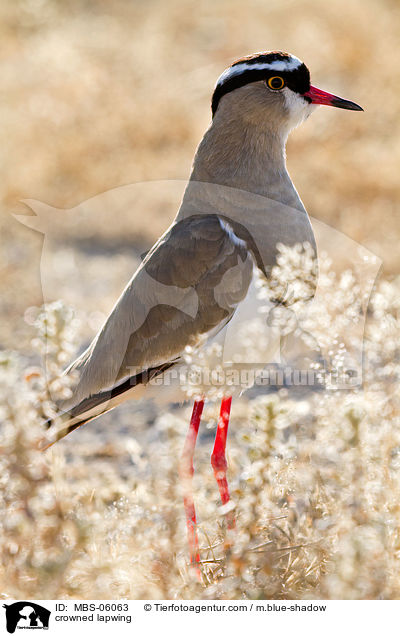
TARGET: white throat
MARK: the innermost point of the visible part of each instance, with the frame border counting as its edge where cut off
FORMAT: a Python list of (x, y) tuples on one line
[(298, 108)]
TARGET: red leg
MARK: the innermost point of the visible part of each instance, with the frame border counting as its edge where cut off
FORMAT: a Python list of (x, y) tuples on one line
[(186, 471), (218, 459)]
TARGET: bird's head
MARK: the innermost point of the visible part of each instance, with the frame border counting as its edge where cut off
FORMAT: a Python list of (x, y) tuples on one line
[(271, 88)]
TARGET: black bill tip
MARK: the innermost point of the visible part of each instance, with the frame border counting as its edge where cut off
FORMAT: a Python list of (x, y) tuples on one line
[(338, 102)]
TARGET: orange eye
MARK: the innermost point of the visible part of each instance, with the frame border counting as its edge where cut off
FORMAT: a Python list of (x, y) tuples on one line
[(276, 82)]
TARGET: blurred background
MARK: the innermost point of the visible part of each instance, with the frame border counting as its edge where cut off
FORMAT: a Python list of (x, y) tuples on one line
[(96, 95)]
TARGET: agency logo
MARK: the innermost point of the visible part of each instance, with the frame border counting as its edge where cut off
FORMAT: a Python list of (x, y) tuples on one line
[(26, 615)]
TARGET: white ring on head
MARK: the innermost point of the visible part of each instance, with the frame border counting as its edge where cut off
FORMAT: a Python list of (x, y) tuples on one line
[(277, 65)]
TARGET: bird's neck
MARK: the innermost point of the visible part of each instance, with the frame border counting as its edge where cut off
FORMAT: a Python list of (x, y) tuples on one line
[(246, 157)]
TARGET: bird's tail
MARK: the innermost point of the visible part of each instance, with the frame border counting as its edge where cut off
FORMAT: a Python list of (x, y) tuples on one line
[(93, 406)]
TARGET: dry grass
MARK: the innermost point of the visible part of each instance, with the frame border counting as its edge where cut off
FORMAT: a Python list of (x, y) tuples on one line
[(94, 97), (315, 480)]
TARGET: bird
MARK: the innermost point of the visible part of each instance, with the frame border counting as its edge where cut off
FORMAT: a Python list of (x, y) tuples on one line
[(192, 285)]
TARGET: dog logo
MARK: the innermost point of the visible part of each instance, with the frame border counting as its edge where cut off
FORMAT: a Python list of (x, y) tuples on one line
[(26, 615)]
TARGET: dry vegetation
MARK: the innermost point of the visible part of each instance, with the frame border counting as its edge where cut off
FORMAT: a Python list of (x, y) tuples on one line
[(315, 479), (98, 95)]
